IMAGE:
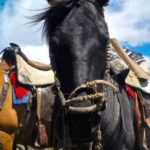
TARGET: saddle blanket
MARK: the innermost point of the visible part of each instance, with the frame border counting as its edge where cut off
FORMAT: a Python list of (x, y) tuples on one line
[(133, 81), (20, 95), (23, 100)]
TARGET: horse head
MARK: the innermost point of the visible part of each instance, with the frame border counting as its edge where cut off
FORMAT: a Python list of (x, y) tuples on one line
[(77, 35)]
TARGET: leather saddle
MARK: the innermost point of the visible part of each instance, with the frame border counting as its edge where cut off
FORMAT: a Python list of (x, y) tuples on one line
[(31, 72), (39, 78)]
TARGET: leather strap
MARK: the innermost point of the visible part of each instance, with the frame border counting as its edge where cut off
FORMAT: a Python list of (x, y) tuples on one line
[(4, 90), (39, 98), (42, 135), (143, 122), (137, 111)]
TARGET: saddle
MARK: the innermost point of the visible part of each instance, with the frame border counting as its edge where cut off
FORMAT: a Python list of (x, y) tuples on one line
[(35, 77), (33, 73)]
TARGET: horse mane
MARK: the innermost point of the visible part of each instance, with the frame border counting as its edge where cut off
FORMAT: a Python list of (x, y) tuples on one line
[(54, 15), (57, 2), (50, 20)]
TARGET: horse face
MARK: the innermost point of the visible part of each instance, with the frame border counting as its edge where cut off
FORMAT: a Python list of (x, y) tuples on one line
[(77, 35), (78, 47), (78, 52)]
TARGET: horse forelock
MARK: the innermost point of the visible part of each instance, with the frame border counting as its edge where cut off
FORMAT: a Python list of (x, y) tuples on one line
[(58, 2), (54, 15)]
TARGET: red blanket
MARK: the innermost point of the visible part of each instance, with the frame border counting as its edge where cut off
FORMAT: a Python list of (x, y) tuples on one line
[(19, 90), (130, 91)]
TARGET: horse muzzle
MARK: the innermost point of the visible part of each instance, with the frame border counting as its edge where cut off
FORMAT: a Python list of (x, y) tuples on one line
[(97, 99)]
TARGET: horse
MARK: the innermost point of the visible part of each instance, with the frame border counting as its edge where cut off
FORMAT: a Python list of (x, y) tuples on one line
[(20, 122), (8, 115), (92, 109)]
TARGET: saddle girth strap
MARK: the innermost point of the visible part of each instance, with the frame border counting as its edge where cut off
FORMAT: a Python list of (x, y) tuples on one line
[(39, 97), (143, 122), (42, 135)]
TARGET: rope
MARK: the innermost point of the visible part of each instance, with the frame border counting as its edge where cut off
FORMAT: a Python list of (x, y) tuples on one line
[(96, 96), (90, 84)]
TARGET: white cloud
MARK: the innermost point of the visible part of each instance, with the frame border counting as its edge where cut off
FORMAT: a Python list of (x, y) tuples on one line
[(131, 23), (16, 28), (148, 61), (37, 53)]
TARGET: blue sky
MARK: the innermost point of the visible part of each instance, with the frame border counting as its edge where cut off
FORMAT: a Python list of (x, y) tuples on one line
[(128, 21), (144, 49)]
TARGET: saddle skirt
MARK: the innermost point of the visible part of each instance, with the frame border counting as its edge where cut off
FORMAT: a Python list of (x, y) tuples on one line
[(133, 81), (29, 75)]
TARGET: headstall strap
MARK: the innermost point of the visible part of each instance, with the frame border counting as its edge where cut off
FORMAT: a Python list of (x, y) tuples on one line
[(4, 90), (95, 96), (5, 86), (89, 85), (42, 134)]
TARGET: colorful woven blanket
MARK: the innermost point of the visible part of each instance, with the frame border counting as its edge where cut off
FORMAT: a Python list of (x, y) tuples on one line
[(20, 94)]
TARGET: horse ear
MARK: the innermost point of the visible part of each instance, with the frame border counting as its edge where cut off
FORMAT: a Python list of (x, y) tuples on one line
[(49, 1), (103, 2)]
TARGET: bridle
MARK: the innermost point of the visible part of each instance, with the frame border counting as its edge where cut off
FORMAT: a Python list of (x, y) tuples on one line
[(96, 96), (100, 97), (99, 103)]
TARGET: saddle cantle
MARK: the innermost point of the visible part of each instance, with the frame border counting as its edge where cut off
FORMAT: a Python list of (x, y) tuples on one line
[(30, 72), (31, 75)]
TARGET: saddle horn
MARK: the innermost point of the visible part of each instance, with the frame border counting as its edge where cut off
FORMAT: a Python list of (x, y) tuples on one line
[(15, 47)]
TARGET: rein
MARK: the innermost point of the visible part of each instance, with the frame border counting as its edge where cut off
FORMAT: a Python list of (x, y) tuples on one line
[(97, 96)]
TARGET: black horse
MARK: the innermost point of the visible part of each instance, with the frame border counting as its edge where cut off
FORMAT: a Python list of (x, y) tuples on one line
[(77, 35)]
